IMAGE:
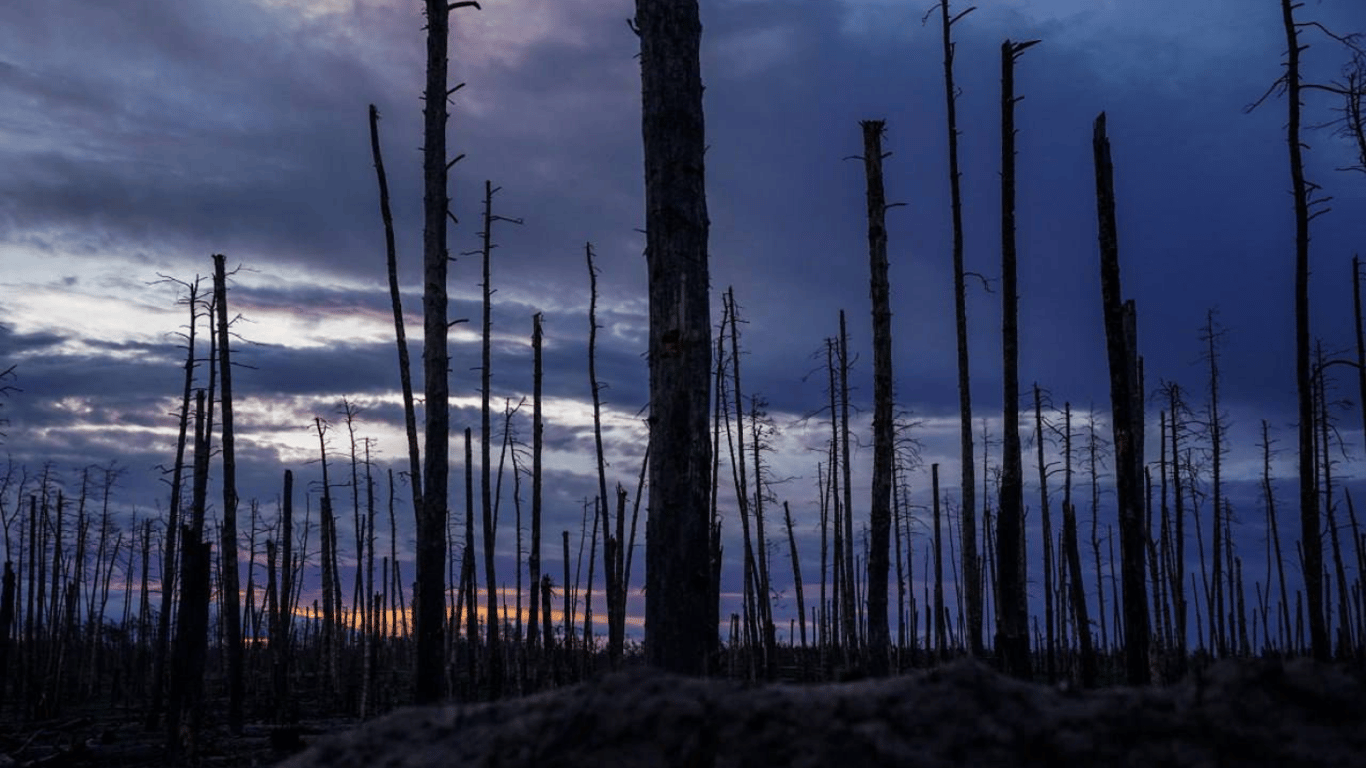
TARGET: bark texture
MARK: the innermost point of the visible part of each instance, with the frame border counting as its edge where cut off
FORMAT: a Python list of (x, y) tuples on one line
[(680, 631), (1126, 423), (880, 508)]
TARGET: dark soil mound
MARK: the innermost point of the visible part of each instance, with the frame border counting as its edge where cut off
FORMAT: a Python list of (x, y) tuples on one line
[(1233, 714)]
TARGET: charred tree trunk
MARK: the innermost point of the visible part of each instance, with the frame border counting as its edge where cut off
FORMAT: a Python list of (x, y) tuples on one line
[(1012, 635), (537, 444), (400, 335), (1073, 555), (431, 515), (231, 598), (1310, 534), (680, 625), (967, 487), (1126, 403), (880, 508), (169, 565)]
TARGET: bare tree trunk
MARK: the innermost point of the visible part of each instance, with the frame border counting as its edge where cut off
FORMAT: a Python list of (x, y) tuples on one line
[(680, 625), (1126, 403), (1012, 638), (431, 515), (395, 299), (1310, 538), (880, 507), (281, 636), (537, 444), (615, 637), (940, 630), (853, 644), (1073, 554), (796, 573), (1046, 533), (233, 619), (169, 570), (967, 488)]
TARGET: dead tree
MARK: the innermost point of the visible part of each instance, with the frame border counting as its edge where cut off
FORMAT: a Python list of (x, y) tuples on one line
[(1072, 552), (1012, 634), (233, 618), (431, 516), (400, 335), (967, 488), (611, 555), (1126, 423), (169, 570), (680, 625), (880, 508), (537, 444)]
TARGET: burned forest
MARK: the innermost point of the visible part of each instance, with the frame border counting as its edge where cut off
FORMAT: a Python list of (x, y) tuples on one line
[(474, 446)]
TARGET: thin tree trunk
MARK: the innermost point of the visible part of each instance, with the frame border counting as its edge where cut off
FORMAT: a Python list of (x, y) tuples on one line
[(233, 625), (616, 634), (1310, 538), (1046, 533), (967, 488), (1073, 554), (169, 572), (796, 573), (1013, 631), (537, 444)]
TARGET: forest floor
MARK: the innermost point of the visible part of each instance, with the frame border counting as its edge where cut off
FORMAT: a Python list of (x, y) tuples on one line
[(1233, 713)]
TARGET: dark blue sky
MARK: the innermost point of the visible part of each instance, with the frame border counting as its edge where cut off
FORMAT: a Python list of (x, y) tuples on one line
[(140, 136)]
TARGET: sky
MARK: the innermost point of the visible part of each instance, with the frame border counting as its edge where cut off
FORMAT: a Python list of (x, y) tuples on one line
[(139, 137)]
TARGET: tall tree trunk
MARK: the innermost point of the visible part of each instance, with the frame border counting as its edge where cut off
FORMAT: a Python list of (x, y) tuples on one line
[(880, 508), (537, 444), (850, 622), (941, 647), (968, 485), (1300, 189), (680, 625), (1126, 404), (233, 619), (615, 638), (169, 570), (1013, 632), (396, 301)]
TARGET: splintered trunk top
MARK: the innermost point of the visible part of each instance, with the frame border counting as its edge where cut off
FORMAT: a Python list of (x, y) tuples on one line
[(680, 631)]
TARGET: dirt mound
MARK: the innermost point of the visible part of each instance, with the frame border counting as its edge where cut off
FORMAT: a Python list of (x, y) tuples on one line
[(1233, 714)]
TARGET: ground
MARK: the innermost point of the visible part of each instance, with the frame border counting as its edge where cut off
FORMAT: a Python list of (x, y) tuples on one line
[(1248, 713)]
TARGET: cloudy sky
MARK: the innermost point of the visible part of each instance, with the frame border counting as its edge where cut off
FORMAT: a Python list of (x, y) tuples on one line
[(140, 136)]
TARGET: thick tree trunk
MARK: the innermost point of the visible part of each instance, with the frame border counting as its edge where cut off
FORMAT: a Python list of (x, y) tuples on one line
[(680, 625), (1126, 404), (880, 508)]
